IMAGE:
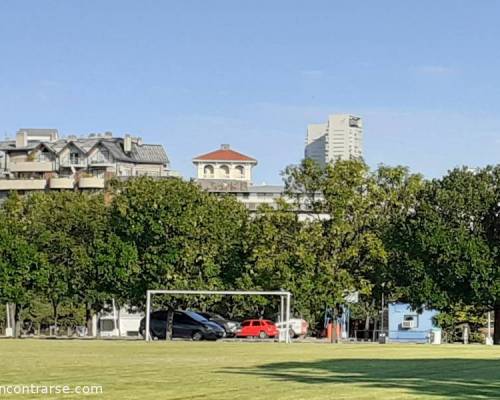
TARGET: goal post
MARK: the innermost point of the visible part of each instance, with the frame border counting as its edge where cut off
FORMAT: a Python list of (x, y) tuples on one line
[(285, 298)]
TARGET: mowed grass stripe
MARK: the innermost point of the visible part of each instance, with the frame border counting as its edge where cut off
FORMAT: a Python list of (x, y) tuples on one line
[(270, 371)]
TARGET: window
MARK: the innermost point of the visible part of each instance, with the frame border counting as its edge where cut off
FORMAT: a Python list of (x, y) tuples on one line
[(182, 318), (45, 156), (159, 315), (224, 171), (256, 323), (196, 317), (246, 323), (101, 156), (107, 325), (208, 171), (239, 172), (98, 173), (74, 157)]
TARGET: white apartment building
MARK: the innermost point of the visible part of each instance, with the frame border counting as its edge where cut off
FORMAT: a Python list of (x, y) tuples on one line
[(340, 138)]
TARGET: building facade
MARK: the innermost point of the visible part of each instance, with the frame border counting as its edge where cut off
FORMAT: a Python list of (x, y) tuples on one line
[(340, 138), (224, 164), (409, 325), (38, 160), (228, 172)]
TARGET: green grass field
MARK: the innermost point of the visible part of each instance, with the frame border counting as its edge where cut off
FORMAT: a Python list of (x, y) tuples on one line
[(270, 371)]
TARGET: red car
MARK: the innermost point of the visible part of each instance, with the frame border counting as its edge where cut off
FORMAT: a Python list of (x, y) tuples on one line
[(261, 328)]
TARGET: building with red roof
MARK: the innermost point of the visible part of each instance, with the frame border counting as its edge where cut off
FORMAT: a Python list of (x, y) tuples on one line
[(224, 164)]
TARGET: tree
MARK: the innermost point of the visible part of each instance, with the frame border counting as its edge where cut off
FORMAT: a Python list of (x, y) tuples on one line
[(86, 263), (185, 238), (21, 267), (288, 254), (447, 249), (356, 209), (344, 195)]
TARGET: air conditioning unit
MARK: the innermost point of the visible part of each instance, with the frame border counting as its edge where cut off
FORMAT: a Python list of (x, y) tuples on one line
[(409, 324)]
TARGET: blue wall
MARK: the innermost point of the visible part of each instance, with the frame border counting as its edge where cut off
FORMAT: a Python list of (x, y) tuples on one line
[(418, 334)]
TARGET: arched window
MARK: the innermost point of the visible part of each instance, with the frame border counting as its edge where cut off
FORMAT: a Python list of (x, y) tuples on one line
[(224, 171), (208, 171), (239, 172)]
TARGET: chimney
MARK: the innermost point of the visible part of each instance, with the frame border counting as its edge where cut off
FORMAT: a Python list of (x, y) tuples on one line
[(224, 147), (21, 139), (127, 144)]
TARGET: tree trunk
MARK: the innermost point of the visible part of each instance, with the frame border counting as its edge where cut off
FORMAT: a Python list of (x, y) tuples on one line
[(367, 327), (375, 326), (55, 315), (17, 320), (88, 320), (170, 323), (496, 333)]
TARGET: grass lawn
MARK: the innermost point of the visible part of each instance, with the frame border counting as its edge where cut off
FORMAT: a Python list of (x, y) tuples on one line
[(183, 370)]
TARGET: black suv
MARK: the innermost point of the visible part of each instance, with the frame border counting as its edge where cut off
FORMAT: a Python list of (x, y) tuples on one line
[(186, 324)]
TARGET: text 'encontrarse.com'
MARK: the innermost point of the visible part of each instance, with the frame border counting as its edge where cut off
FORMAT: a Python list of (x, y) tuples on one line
[(30, 389)]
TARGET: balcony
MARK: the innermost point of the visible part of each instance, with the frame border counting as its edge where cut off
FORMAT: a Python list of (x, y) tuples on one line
[(73, 163), (101, 163), (23, 184), (91, 182), (61, 183), (32, 166)]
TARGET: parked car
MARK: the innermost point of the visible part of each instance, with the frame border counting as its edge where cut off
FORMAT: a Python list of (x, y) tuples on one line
[(261, 328), (229, 326), (186, 324), (298, 327)]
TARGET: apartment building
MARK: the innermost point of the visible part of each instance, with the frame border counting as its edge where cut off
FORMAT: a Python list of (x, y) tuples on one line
[(38, 159), (340, 138)]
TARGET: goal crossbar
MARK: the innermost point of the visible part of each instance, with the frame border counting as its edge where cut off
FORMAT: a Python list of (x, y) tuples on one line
[(285, 298)]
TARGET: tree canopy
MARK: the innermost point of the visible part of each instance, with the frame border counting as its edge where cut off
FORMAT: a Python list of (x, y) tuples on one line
[(338, 229)]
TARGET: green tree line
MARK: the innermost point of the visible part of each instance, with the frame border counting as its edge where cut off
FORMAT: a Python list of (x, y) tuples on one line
[(339, 229)]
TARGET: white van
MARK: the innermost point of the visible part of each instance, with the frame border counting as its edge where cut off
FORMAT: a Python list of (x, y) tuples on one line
[(298, 327)]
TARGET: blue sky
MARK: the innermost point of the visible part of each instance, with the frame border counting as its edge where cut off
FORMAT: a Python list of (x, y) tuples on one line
[(424, 75)]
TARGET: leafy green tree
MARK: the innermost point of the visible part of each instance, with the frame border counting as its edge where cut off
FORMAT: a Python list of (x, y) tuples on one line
[(447, 249), (86, 263), (289, 254), (357, 209), (21, 266), (344, 195), (185, 238)]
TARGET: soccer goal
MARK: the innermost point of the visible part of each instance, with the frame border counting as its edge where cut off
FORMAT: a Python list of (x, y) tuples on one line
[(285, 298)]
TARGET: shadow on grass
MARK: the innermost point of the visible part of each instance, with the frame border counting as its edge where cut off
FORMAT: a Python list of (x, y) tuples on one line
[(458, 378)]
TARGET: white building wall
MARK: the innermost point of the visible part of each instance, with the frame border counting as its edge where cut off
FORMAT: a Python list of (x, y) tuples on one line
[(341, 138), (219, 168)]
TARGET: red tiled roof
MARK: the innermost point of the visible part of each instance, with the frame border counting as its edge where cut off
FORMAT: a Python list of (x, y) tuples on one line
[(224, 155)]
